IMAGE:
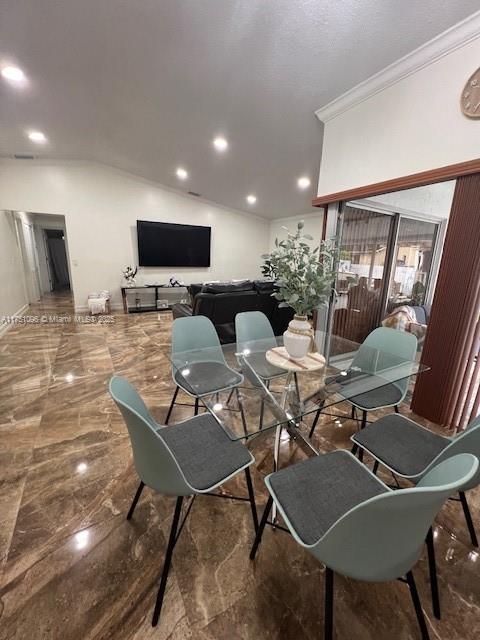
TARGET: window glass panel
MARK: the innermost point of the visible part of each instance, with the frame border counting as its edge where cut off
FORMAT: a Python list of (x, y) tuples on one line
[(363, 249), (412, 264)]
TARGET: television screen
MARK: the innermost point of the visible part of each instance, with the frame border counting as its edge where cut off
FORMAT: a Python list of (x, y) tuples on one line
[(161, 244)]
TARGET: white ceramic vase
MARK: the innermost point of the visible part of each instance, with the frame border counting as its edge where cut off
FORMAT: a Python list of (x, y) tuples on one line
[(297, 337)]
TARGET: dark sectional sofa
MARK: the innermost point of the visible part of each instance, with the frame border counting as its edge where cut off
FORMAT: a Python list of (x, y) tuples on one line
[(220, 302)]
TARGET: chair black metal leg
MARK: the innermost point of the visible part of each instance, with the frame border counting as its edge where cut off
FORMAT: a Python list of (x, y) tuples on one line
[(364, 420), (242, 412), (328, 624), (468, 518), (355, 449), (315, 420), (230, 396), (251, 496), (375, 468), (418, 606), (135, 500), (263, 522), (171, 405), (197, 402), (314, 423), (432, 567), (297, 388), (396, 409), (262, 410), (167, 562)]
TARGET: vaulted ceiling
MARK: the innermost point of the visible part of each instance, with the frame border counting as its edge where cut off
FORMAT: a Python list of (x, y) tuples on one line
[(145, 85)]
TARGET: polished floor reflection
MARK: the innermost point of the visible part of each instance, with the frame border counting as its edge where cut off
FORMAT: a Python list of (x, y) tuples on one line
[(72, 567)]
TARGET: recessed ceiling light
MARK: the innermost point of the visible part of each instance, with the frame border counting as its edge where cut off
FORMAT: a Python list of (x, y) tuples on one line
[(220, 144), (13, 74), (37, 136), (251, 199), (303, 182), (182, 174)]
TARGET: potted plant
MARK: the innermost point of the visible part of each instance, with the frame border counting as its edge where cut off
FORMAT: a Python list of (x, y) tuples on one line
[(304, 277)]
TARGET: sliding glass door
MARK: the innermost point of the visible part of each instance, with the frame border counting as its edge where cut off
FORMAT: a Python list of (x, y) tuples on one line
[(385, 261), (364, 241), (412, 264)]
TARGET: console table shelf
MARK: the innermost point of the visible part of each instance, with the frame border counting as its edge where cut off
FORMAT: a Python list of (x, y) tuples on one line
[(165, 297)]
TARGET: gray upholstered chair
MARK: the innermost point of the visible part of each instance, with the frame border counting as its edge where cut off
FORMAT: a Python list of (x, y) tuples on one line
[(190, 458), (355, 524), (207, 372), (409, 450)]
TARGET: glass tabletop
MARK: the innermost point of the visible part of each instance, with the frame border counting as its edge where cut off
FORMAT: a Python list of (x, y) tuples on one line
[(248, 392)]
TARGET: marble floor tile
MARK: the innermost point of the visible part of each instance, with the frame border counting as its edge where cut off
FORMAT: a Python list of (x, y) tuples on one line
[(73, 568)]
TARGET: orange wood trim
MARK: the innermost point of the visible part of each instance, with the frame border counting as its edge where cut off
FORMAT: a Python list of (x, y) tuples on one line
[(450, 172)]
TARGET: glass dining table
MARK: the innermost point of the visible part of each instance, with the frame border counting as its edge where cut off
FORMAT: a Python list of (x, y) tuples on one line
[(280, 393)]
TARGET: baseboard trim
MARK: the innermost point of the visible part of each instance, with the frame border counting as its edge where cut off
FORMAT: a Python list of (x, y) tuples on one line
[(18, 314), (117, 306)]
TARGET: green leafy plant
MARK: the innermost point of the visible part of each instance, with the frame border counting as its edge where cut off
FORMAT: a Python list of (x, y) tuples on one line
[(304, 275)]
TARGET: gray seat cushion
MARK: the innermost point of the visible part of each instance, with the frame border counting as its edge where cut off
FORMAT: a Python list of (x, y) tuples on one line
[(401, 444), (263, 368), (385, 396), (203, 450), (207, 377), (317, 492)]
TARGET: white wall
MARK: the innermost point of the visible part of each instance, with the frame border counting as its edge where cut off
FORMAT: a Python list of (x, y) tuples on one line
[(313, 226), (101, 206), (433, 201), (414, 125), (13, 297)]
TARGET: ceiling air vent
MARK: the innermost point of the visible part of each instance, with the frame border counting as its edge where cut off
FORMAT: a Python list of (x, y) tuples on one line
[(194, 193), (23, 156)]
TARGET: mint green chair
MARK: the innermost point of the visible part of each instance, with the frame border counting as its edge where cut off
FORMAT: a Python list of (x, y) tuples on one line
[(207, 372), (255, 337), (383, 347), (339, 511), (409, 450), (192, 457)]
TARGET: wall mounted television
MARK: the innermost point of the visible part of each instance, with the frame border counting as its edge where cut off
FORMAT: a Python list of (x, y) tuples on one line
[(163, 244)]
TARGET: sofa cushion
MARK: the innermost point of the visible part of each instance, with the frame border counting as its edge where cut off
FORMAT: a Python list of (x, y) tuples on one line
[(228, 287), (263, 286)]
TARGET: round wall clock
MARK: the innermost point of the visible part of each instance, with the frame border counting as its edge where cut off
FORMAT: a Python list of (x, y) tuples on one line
[(470, 99)]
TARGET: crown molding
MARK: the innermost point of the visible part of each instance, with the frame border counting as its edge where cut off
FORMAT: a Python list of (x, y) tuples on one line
[(428, 53)]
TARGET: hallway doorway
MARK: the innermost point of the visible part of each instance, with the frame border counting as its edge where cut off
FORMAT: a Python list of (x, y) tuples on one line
[(56, 259)]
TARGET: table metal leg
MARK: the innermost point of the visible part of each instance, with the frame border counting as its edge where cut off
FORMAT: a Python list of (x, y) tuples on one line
[(278, 435)]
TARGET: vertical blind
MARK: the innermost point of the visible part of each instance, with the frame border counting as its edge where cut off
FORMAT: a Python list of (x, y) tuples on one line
[(448, 394)]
